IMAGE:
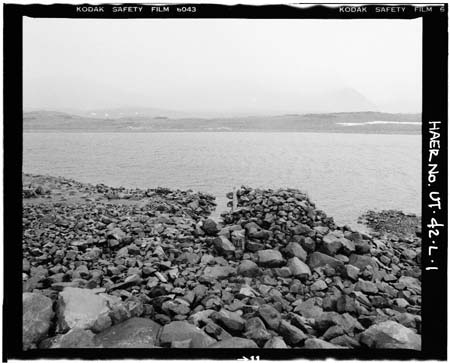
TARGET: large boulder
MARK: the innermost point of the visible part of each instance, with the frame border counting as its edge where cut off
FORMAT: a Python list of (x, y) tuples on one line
[(37, 316), (75, 338), (390, 335), (83, 309), (132, 333)]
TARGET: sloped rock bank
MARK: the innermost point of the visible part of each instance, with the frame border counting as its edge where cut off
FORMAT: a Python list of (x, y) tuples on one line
[(107, 267)]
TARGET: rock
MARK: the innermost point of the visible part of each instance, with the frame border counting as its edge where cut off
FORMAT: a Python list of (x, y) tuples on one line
[(256, 331), (331, 244), (132, 333), (37, 316), (231, 321), (210, 227), (248, 268), (390, 335), (75, 338), (81, 308), (319, 285), (290, 333), (270, 316), (218, 272), (348, 246), (275, 343), (362, 261), (314, 343), (223, 246), (270, 258), (293, 249), (235, 342), (346, 304), (182, 330), (309, 309), (366, 286), (352, 272), (298, 268), (411, 283), (318, 259)]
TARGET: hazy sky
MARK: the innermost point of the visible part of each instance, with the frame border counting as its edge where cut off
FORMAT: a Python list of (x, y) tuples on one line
[(224, 65)]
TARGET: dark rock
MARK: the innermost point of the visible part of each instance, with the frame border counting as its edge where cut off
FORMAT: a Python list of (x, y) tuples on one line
[(290, 333), (210, 227), (248, 268)]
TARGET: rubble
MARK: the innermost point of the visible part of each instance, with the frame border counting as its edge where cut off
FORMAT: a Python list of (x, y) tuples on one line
[(134, 268)]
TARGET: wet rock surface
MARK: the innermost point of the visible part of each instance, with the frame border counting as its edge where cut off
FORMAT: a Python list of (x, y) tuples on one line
[(116, 267)]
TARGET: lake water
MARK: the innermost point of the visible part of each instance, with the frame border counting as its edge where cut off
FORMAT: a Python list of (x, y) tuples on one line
[(344, 174)]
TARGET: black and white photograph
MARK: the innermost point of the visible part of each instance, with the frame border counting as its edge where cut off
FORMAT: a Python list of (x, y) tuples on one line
[(222, 182)]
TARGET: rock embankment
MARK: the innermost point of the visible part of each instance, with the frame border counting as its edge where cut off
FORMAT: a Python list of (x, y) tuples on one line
[(110, 267)]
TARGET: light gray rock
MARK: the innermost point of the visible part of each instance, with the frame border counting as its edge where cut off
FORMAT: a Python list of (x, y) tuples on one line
[(298, 268), (390, 335), (81, 308), (37, 315)]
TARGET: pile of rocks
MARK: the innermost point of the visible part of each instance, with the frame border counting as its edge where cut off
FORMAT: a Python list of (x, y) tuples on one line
[(276, 273)]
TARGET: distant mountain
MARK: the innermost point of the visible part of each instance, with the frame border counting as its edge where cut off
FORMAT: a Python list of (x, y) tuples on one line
[(362, 122)]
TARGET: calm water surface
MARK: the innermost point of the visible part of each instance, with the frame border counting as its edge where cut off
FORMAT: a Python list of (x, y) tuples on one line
[(344, 174)]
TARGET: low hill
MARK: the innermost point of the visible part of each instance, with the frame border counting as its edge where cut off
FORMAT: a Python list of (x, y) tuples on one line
[(360, 122)]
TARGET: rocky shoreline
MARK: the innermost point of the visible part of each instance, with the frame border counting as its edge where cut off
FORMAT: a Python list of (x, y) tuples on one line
[(130, 268)]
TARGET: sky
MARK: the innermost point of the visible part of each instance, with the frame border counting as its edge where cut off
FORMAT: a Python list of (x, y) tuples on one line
[(224, 66)]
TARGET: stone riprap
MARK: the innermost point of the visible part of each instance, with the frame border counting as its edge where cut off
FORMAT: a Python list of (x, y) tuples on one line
[(114, 267)]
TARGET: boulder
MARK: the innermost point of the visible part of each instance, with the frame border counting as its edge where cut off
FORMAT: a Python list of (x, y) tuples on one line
[(132, 333), (315, 343), (181, 330), (75, 338), (270, 316), (290, 333), (270, 258), (218, 272), (36, 319), (294, 249), (81, 308), (234, 343), (275, 343), (318, 259), (390, 335), (210, 227), (248, 268), (298, 268), (223, 246), (331, 244)]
